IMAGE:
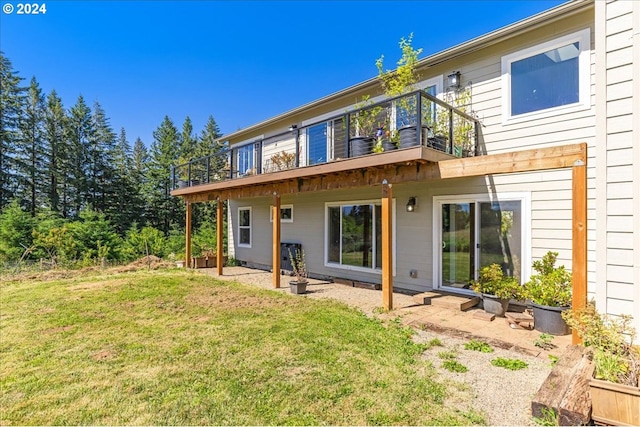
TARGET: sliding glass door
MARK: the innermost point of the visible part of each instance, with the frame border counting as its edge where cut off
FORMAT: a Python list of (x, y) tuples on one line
[(475, 233)]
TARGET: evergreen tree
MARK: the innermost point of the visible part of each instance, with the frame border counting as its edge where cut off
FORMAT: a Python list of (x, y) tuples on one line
[(79, 131), (54, 136), (165, 209), (11, 108), (187, 141), (126, 201), (101, 145), (30, 156)]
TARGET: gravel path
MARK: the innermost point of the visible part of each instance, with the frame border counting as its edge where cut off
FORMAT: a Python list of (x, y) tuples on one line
[(502, 396)]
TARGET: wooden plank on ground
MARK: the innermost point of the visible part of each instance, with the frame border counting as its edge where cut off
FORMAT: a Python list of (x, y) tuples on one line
[(575, 407), (553, 389), (455, 302)]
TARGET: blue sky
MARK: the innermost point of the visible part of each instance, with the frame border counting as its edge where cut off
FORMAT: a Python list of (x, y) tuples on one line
[(239, 61)]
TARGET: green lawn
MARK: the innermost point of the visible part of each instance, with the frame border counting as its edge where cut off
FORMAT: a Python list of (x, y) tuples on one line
[(174, 347)]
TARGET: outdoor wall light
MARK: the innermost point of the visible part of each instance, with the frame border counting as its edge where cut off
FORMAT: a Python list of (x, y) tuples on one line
[(292, 128), (411, 204), (454, 80)]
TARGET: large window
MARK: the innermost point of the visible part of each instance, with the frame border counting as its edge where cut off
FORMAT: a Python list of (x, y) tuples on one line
[(354, 235), (543, 79), (244, 227)]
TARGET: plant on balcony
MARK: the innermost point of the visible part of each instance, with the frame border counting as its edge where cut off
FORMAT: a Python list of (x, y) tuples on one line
[(365, 122), (616, 361), (283, 161), (463, 129), (402, 81)]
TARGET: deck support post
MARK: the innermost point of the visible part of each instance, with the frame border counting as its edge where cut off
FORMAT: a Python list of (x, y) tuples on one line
[(387, 247), (276, 240), (579, 235), (219, 236), (187, 236)]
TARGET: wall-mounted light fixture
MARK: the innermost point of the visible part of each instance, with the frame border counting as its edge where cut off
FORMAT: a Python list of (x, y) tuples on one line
[(292, 128), (454, 80), (411, 204)]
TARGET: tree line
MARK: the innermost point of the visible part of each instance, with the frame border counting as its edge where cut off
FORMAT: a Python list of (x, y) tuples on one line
[(72, 189)]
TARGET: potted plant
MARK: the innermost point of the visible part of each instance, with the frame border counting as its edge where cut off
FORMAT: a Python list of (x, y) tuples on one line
[(365, 124), (496, 289), (299, 266), (402, 81), (550, 294), (614, 388)]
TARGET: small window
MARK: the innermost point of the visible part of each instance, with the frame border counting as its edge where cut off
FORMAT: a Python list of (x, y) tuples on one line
[(286, 213), (539, 81), (244, 227)]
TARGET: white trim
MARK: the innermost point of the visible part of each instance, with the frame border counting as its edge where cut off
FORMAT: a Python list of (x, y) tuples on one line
[(525, 244), (378, 202), (250, 227), (289, 220), (583, 37)]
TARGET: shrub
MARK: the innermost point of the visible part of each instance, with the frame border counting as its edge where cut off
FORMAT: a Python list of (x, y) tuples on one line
[(491, 281), (551, 286)]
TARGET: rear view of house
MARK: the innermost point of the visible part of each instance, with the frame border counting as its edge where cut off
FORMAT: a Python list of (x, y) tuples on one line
[(522, 141)]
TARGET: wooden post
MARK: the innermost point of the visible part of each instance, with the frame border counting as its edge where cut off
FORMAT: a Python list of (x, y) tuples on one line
[(187, 228), (219, 236), (276, 240), (387, 246), (579, 234)]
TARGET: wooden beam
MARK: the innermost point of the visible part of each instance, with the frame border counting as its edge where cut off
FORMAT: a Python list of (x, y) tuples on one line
[(387, 246), (411, 166), (579, 235), (276, 240), (517, 161), (219, 236), (187, 236)]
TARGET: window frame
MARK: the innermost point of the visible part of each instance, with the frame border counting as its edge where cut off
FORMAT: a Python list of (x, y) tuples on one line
[(341, 204), (249, 227), (282, 207), (583, 38)]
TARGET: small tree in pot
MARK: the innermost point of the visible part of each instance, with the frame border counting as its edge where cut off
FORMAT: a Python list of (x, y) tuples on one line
[(550, 294), (496, 289), (299, 266)]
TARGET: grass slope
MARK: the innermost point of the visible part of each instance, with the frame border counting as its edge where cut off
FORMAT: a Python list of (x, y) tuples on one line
[(173, 347)]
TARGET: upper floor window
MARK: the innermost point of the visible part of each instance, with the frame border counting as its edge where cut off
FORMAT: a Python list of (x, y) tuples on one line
[(541, 80)]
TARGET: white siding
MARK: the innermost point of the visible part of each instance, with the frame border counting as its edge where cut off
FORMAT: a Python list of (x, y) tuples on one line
[(618, 210)]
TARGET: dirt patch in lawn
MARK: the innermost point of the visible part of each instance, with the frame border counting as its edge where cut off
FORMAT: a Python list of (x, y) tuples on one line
[(86, 286), (229, 299)]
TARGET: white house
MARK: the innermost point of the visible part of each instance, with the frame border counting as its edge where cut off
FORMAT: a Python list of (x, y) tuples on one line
[(540, 98)]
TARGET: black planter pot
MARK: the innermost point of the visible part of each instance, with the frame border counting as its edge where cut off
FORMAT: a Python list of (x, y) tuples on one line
[(549, 319), (408, 137), (360, 145), (494, 305), (388, 146)]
